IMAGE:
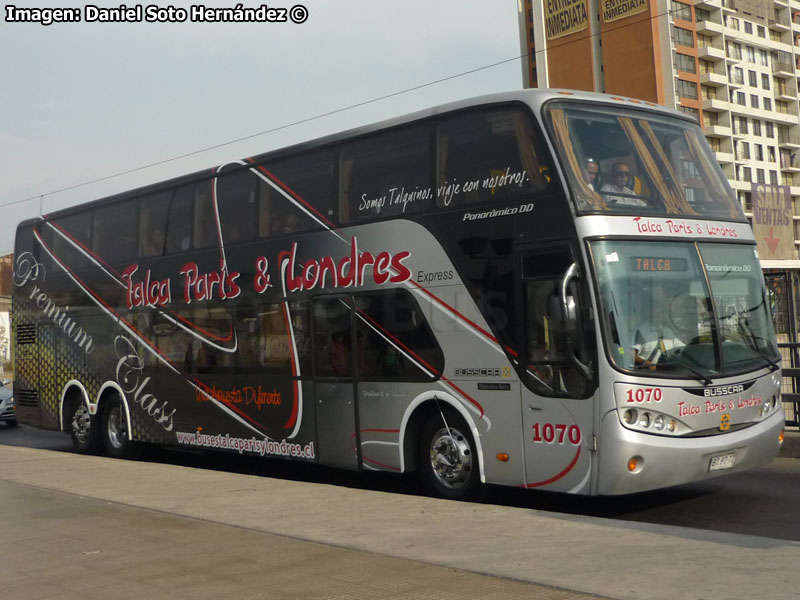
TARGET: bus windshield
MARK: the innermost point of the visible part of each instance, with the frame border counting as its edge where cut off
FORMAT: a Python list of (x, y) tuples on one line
[(621, 160), (661, 318)]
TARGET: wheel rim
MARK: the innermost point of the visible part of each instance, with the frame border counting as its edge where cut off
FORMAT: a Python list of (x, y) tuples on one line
[(451, 457), (117, 428), (81, 424)]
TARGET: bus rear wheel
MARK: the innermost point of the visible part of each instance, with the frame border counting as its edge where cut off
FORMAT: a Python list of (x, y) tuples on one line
[(83, 429), (115, 431), (448, 462)]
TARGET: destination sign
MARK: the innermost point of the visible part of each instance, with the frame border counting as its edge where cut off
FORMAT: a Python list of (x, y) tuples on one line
[(658, 263)]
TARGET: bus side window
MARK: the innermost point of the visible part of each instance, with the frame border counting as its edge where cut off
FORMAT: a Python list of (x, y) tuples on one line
[(78, 227), (179, 221), (299, 195), (332, 337), (205, 220), (237, 202), (394, 340), (385, 175), (487, 156), (114, 233), (153, 224), (549, 371)]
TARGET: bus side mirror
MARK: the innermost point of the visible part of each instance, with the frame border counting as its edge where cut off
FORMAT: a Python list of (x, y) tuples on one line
[(569, 311)]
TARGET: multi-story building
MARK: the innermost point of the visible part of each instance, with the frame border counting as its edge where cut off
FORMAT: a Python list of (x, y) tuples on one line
[(734, 65)]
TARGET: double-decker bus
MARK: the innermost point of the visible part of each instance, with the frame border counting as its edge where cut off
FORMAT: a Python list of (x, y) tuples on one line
[(546, 289)]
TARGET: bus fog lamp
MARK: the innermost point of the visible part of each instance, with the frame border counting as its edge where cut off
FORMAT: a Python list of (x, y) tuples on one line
[(645, 420), (672, 426), (630, 416), (658, 423)]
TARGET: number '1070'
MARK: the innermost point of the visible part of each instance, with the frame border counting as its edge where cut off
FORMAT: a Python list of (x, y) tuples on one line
[(645, 395), (550, 433)]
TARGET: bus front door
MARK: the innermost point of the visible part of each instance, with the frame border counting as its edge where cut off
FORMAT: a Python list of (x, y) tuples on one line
[(336, 410)]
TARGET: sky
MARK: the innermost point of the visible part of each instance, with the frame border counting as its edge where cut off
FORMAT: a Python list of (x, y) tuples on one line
[(83, 102)]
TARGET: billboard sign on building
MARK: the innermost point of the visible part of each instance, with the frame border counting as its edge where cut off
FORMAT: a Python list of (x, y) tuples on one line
[(772, 221), (614, 10), (764, 9), (564, 17)]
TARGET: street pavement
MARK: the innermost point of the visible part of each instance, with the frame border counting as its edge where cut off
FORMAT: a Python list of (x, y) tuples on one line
[(91, 527)]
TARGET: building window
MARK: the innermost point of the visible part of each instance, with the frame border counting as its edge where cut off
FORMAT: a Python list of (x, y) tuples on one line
[(759, 152), (734, 50), (763, 57), (687, 89), (701, 15), (767, 104), (754, 101), (742, 121), (684, 62), (764, 81), (762, 33), (760, 176), (743, 153), (745, 174), (752, 78), (681, 11), (693, 112), (773, 177), (741, 99), (732, 22), (751, 54), (682, 37), (756, 127), (748, 27)]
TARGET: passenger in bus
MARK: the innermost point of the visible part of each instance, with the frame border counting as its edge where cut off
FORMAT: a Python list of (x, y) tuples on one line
[(340, 354), (590, 171), (620, 184)]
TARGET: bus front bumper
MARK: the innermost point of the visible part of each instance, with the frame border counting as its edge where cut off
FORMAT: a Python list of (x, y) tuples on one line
[(630, 461)]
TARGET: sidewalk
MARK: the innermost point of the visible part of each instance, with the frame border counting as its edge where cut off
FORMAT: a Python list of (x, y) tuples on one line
[(91, 527)]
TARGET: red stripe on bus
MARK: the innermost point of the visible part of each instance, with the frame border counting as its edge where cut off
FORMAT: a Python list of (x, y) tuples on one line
[(464, 394), (115, 272), (468, 321), (380, 464), (399, 343), (91, 292), (555, 478), (293, 194)]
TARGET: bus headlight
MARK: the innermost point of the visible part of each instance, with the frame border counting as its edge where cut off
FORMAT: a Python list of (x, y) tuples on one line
[(650, 421)]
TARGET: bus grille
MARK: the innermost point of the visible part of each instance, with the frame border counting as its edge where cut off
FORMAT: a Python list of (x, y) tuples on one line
[(716, 430), (26, 333), (28, 398)]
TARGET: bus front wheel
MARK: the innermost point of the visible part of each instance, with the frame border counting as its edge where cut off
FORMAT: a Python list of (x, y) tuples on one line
[(115, 431), (448, 462)]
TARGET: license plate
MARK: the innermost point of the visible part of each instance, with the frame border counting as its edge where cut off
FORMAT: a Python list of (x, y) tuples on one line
[(719, 463)]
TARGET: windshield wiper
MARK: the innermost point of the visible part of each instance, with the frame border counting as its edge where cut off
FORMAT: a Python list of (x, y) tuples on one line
[(775, 366), (699, 375)]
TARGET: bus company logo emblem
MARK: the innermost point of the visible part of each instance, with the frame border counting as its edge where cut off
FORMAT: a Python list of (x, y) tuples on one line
[(477, 372), (725, 422), (506, 372)]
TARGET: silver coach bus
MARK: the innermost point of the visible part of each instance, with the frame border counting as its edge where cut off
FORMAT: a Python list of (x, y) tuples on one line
[(544, 289)]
